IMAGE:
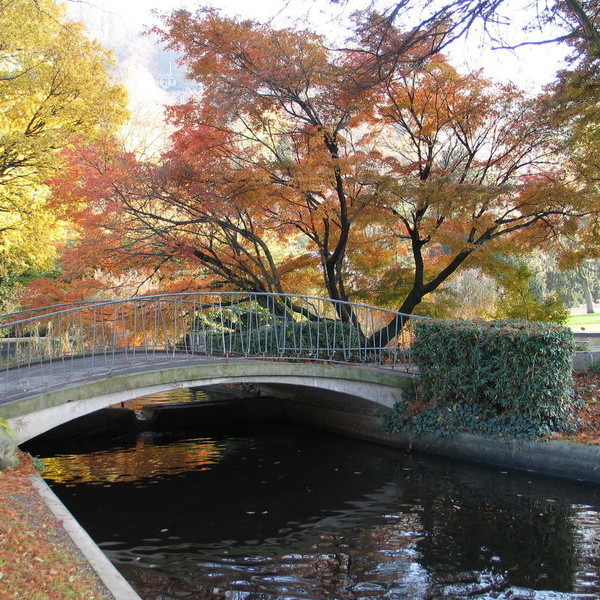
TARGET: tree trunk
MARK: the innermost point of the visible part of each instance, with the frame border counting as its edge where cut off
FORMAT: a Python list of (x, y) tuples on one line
[(589, 301), (386, 334), (587, 292)]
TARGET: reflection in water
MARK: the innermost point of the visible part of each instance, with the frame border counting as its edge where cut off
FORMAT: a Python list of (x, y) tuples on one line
[(182, 395), (285, 513), (140, 461)]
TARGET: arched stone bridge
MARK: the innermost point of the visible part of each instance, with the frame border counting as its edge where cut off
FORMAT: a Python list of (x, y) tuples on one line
[(62, 362)]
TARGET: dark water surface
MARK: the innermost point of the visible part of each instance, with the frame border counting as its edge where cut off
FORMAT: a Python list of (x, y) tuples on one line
[(280, 512)]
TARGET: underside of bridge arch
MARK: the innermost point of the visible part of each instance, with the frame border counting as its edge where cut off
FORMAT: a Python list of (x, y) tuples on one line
[(310, 392)]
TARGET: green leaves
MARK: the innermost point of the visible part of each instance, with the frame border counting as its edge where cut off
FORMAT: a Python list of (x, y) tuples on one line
[(496, 378)]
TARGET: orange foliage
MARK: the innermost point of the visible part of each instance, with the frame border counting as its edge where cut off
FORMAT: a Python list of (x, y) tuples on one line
[(298, 170)]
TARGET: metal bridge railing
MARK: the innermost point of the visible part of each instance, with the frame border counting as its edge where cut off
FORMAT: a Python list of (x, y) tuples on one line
[(69, 340)]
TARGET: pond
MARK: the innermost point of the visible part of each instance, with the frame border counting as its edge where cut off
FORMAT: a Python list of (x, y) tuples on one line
[(275, 511)]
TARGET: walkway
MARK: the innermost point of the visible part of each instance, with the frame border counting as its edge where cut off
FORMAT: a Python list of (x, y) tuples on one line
[(34, 380)]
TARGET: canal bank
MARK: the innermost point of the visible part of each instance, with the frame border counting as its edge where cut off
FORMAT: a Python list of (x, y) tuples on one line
[(114, 583), (44, 552), (364, 420)]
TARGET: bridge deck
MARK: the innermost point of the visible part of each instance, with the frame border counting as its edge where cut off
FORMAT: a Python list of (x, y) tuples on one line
[(32, 380)]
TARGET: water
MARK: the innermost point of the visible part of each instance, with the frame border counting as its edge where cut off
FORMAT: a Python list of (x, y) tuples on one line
[(277, 512)]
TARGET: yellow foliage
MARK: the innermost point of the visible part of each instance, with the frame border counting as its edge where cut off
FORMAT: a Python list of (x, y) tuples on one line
[(54, 86)]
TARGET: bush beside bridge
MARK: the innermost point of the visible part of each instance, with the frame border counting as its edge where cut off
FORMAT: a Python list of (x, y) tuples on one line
[(511, 378), (260, 332)]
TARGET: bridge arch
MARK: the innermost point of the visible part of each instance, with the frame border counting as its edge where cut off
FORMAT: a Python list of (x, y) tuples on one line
[(36, 413)]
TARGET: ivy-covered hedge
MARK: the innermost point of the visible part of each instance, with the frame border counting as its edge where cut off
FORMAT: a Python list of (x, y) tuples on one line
[(500, 378)]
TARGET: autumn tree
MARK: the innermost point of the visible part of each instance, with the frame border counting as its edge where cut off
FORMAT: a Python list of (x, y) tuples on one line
[(54, 86), (500, 24), (194, 213), (288, 161), (571, 104), (229, 155)]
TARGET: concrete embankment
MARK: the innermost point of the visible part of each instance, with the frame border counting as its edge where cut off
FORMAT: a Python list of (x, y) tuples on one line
[(583, 359), (580, 462), (114, 583)]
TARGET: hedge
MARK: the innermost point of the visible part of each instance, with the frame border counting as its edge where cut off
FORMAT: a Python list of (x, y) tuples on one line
[(255, 333), (303, 338), (499, 377)]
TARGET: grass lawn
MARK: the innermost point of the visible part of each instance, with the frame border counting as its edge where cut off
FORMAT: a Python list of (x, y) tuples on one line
[(588, 323)]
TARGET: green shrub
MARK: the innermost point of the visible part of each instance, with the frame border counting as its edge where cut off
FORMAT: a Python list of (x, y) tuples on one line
[(500, 378), (257, 333), (302, 338)]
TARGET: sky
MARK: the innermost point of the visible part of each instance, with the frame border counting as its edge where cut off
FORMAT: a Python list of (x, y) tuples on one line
[(118, 23), (529, 68)]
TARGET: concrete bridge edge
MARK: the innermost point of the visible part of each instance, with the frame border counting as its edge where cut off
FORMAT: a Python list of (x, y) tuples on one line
[(36, 414)]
